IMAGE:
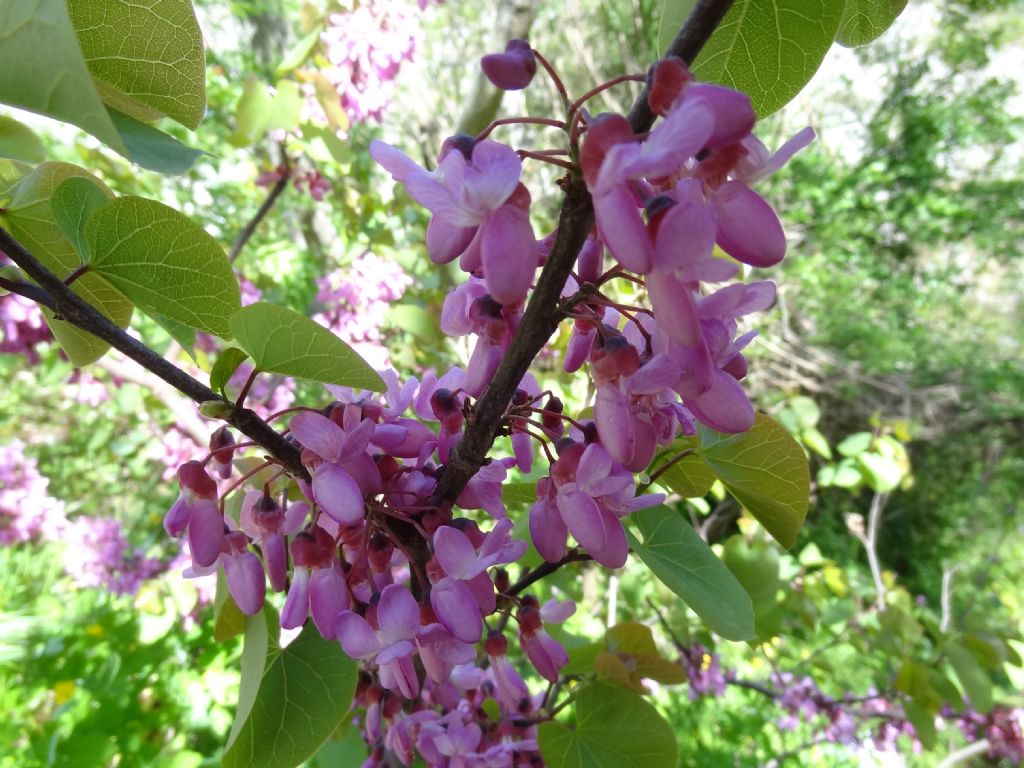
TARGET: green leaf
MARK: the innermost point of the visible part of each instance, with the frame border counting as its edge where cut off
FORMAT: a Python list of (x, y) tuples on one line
[(684, 563), (153, 149), (880, 473), (29, 217), (806, 411), (147, 58), (164, 262), (280, 340), (228, 619), (690, 476), (43, 69), (923, 721), (974, 681), (258, 112), (519, 494), (303, 696), (674, 14), (865, 20), (613, 728), (19, 142), (769, 49), (227, 363), (299, 52), (261, 641), (766, 470), (817, 442), (73, 202), (853, 444), (842, 475)]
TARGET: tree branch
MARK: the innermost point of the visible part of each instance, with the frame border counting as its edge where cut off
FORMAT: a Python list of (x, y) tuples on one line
[(250, 227), (542, 314), (69, 307)]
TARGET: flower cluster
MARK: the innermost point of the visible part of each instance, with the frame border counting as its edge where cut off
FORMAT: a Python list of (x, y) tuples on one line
[(369, 548), (27, 511), (354, 301), (365, 49), (22, 326), (97, 553)]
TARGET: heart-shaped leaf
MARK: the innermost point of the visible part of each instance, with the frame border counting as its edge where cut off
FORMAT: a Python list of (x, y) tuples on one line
[(766, 470), (304, 692), (769, 49), (280, 340), (613, 728), (164, 262)]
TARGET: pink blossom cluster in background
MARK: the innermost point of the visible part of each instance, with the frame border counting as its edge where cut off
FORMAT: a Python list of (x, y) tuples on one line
[(355, 300), (22, 326), (366, 48), (27, 511), (97, 554)]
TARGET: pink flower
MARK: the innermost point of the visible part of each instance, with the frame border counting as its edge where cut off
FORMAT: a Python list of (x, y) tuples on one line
[(512, 70), (391, 645)]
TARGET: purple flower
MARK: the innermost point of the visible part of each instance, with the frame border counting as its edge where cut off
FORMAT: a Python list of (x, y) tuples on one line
[(512, 70), (391, 645)]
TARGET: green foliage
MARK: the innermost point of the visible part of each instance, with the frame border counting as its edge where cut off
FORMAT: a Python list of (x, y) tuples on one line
[(17, 141), (771, 68), (684, 563), (766, 470), (865, 20), (146, 60), (30, 217), (164, 262), (610, 728), (280, 340), (279, 728), (227, 363), (73, 202)]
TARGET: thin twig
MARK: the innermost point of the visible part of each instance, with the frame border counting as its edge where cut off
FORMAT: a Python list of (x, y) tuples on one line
[(261, 213)]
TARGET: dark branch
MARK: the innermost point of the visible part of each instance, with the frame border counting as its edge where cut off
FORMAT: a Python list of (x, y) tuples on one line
[(543, 314), (546, 569), (33, 292), (250, 227), (69, 307)]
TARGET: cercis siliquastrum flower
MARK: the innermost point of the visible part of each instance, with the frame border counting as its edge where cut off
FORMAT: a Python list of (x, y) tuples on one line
[(412, 582)]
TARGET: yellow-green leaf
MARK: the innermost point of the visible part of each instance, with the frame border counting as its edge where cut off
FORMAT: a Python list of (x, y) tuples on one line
[(865, 20), (280, 340), (613, 728), (769, 49), (73, 202), (147, 58), (30, 218), (766, 470), (18, 142), (164, 262), (689, 476)]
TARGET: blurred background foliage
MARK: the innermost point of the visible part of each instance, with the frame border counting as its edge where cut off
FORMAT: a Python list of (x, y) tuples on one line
[(893, 355)]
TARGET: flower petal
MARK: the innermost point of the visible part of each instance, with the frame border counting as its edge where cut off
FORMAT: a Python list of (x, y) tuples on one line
[(457, 609), (398, 614), (454, 553), (748, 229), (318, 433), (356, 636)]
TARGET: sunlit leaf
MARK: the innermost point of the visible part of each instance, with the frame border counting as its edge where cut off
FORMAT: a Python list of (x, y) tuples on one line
[(164, 262), (29, 216), (613, 728), (280, 340), (689, 476), (261, 641), (865, 20), (769, 49), (73, 202), (19, 142), (43, 69), (767, 472), (147, 58), (299, 52), (303, 695), (227, 363), (684, 563), (880, 473)]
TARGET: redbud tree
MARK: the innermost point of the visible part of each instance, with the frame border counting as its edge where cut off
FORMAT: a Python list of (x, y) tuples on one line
[(373, 522)]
